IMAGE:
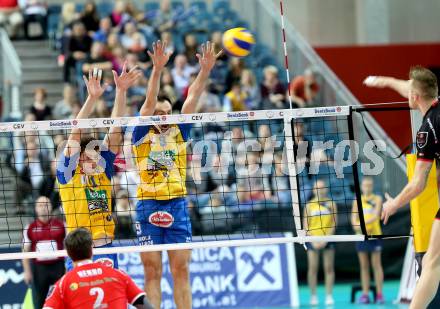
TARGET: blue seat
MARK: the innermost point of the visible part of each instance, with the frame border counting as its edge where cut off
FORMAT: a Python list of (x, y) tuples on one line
[(242, 23), (104, 8), (220, 5), (177, 5), (79, 7), (200, 6), (151, 6), (52, 25), (54, 9)]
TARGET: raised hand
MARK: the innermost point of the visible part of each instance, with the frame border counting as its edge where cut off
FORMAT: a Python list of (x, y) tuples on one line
[(93, 83), (208, 57), (126, 79), (375, 82), (159, 56), (389, 208)]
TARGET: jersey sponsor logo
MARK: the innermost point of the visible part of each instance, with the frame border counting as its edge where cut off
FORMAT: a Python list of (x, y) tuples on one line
[(422, 139), (73, 286), (161, 219), (197, 117), (97, 200), (106, 262)]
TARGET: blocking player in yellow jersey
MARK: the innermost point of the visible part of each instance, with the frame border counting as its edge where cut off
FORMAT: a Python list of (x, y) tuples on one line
[(85, 167), (372, 207), (160, 154), (320, 219)]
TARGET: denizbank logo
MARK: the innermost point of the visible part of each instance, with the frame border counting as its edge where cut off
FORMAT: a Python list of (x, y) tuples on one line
[(61, 124), (238, 115), (328, 110)]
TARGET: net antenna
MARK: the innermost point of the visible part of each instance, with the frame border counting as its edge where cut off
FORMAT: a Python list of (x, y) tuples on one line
[(286, 57), (290, 139)]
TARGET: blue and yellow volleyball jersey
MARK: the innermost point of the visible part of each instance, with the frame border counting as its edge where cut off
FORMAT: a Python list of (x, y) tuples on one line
[(320, 217), (161, 160), (369, 203), (87, 199)]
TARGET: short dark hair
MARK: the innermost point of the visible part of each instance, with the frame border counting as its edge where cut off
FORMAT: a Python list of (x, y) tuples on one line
[(162, 97), (85, 140), (78, 244), (424, 81)]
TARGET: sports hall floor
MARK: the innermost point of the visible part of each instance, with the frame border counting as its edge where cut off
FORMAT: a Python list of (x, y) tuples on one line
[(342, 294)]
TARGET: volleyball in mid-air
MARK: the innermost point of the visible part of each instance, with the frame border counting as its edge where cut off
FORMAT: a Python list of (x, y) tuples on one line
[(238, 42)]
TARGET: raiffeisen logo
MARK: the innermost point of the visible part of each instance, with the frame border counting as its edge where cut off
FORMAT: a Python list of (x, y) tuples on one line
[(328, 110), (238, 115), (60, 124)]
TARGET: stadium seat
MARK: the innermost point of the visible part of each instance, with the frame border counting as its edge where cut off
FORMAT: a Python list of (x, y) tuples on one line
[(177, 5), (104, 8), (151, 6), (220, 6), (79, 7), (54, 9), (200, 6)]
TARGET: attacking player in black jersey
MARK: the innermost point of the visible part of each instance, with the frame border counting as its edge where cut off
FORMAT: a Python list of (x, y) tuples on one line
[(422, 92)]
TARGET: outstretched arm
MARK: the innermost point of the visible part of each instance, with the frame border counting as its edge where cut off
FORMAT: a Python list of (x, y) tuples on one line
[(123, 82), (207, 61), (399, 85), (94, 90), (160, 59), (412, 190)]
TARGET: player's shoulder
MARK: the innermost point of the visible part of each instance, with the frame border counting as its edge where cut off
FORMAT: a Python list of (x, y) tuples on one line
[(434, 113)]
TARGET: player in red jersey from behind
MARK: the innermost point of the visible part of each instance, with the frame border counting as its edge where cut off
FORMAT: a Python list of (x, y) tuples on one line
[(90, 284)]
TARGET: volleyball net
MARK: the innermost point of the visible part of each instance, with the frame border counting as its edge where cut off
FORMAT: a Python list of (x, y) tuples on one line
[(246, 177)]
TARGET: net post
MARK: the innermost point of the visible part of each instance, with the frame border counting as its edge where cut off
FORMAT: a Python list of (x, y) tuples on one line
[(293, 179), (357, 189)]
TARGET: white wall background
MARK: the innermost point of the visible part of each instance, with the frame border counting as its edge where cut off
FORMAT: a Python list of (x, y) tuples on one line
[(348, 22)]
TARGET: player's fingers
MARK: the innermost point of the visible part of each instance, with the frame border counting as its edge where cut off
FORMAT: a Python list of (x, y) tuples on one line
[(203, 50), (164, 45), (133, 69), (370, 81), (90, 74), (219, 53), (154, 47), (99, 75), (213, 48), (115, 75), (85, 79), (124, 67), (95, 73), (387, 196), (150, 54), (199, 56)]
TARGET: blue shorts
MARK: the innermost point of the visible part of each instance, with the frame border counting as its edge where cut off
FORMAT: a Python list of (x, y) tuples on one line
[(373, 245), (163, 222), (107, 259), (328, 246)]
